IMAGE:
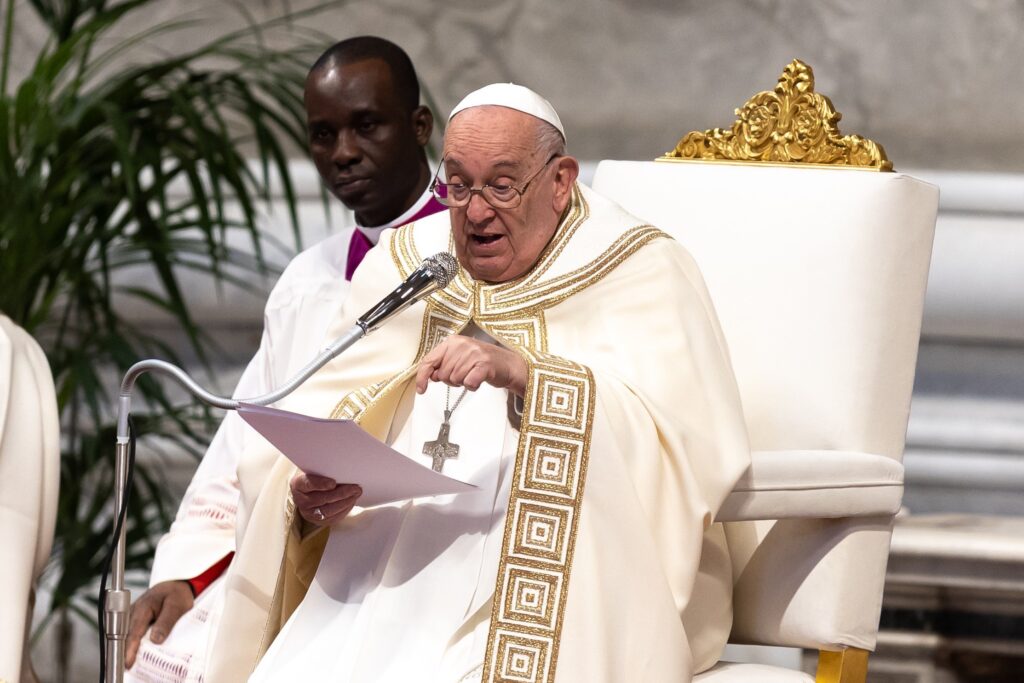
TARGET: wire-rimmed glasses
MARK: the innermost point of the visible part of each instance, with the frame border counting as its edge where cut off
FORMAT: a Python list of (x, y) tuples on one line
[(500, 195)]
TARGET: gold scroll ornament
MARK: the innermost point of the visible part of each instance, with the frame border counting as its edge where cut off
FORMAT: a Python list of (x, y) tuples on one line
[(791, 124)]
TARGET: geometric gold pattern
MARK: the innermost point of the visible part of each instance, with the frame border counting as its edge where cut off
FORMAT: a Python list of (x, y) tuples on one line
[(542, 521), (791, 124), (513, 310), (354, 403), (549, 473)]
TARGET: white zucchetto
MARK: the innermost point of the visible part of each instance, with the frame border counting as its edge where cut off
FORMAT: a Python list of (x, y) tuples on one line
[(514, 97)]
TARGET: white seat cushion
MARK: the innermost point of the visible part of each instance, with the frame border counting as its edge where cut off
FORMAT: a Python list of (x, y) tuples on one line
[(815, 483), (728, 672)]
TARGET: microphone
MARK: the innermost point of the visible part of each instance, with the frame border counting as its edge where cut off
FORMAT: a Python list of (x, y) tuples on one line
[(435, 273)]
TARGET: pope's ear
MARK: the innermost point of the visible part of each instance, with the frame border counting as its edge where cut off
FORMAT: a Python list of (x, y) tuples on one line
[(422, 124), (567, 169)]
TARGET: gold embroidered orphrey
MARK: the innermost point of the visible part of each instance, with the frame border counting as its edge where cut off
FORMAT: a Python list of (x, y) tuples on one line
[(550, 469), (791, 124)]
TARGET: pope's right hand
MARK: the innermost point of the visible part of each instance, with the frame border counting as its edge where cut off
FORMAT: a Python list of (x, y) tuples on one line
[(322, 501), (161, 606)]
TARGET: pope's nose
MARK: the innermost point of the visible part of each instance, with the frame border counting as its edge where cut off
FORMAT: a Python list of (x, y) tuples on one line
[(478, 211)]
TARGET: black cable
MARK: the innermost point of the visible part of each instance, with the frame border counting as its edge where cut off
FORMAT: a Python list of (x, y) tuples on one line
[(118, 524)]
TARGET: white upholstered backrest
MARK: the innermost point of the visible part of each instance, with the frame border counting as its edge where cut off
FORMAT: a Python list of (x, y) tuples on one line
[(818, 279)]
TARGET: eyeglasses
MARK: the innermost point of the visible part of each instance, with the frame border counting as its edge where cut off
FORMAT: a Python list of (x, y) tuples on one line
[(500, 196)]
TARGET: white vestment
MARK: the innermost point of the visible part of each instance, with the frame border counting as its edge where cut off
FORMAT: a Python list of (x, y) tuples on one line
[(607, 566), (29, 479), (308, 293), (427, 564), (306, 298)]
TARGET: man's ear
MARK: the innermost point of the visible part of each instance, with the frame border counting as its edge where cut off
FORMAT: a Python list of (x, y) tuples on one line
[(567, 169), (422, 124)]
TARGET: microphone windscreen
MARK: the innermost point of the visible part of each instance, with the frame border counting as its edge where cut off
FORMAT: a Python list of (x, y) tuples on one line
[(444, 266)]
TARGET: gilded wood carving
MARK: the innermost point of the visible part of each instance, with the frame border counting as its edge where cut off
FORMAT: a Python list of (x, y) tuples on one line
[(790, 124)]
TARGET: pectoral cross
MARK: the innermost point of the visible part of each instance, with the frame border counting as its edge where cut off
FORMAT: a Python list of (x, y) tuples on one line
[(441, 449)]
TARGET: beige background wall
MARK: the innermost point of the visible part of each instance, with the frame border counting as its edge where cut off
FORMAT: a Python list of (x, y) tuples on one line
[(937, 82)]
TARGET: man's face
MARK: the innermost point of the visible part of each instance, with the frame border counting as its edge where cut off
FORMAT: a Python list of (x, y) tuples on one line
[(497, 145), (366, 145)]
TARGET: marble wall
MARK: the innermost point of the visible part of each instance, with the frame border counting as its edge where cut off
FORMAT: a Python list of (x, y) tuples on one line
[(937, 82)]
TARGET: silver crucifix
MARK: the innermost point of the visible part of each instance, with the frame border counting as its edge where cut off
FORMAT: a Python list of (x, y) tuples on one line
[(441, 449)]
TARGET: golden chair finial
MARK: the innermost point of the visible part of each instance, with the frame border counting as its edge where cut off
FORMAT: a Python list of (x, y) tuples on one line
[(790, 124)]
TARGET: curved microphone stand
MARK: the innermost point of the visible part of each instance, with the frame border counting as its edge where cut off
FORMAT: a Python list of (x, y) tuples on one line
[(433, 274)]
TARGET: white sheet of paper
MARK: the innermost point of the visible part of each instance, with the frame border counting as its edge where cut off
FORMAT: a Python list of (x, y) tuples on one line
[(341, 450)]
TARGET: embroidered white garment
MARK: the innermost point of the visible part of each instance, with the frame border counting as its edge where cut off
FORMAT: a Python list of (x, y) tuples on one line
[(431, 560), (633, 435), (183, 659)]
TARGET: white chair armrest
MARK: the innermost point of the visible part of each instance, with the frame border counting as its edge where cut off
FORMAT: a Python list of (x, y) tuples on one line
[(728, 672), (815, 483)]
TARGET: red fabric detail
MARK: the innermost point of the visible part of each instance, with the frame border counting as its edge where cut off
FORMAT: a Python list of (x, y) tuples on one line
[(203, 581)]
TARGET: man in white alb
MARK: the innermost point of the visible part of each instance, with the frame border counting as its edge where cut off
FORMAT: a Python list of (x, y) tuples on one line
[(367, 134), (577, 363)]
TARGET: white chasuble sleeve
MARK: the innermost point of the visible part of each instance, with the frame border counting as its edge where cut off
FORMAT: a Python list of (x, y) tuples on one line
[(298, 311), (254, 602)]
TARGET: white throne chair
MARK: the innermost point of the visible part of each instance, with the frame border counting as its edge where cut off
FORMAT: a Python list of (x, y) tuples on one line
[(816, 258), (29, 477)]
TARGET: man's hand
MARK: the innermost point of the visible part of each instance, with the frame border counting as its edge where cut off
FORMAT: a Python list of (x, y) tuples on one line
[(321, 501), (461, 361), (161, 606)]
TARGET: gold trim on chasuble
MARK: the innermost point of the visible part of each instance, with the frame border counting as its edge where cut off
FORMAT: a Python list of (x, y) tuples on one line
[(554, 439)]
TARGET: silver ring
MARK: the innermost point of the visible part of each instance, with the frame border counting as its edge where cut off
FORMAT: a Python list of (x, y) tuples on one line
[(318, 514)]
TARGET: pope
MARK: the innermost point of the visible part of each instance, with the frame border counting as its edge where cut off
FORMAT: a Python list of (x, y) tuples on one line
[(577, 363)]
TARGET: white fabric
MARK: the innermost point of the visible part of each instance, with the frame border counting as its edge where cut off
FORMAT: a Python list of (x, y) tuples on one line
[(181, 657), (373, 571), (511, 96), (646, 559), (728, 672), (373, 233), (306, 297), (818, 277), (787, 484), (308, 294), (29, 479)]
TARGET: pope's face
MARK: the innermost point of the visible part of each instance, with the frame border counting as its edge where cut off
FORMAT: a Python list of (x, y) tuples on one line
[(366, 144), (497, 145)]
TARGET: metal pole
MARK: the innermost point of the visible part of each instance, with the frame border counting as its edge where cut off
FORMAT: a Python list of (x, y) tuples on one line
[(118, 600)]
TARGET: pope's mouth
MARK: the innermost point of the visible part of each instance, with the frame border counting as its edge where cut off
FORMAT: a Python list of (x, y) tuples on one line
[(486, 246)]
